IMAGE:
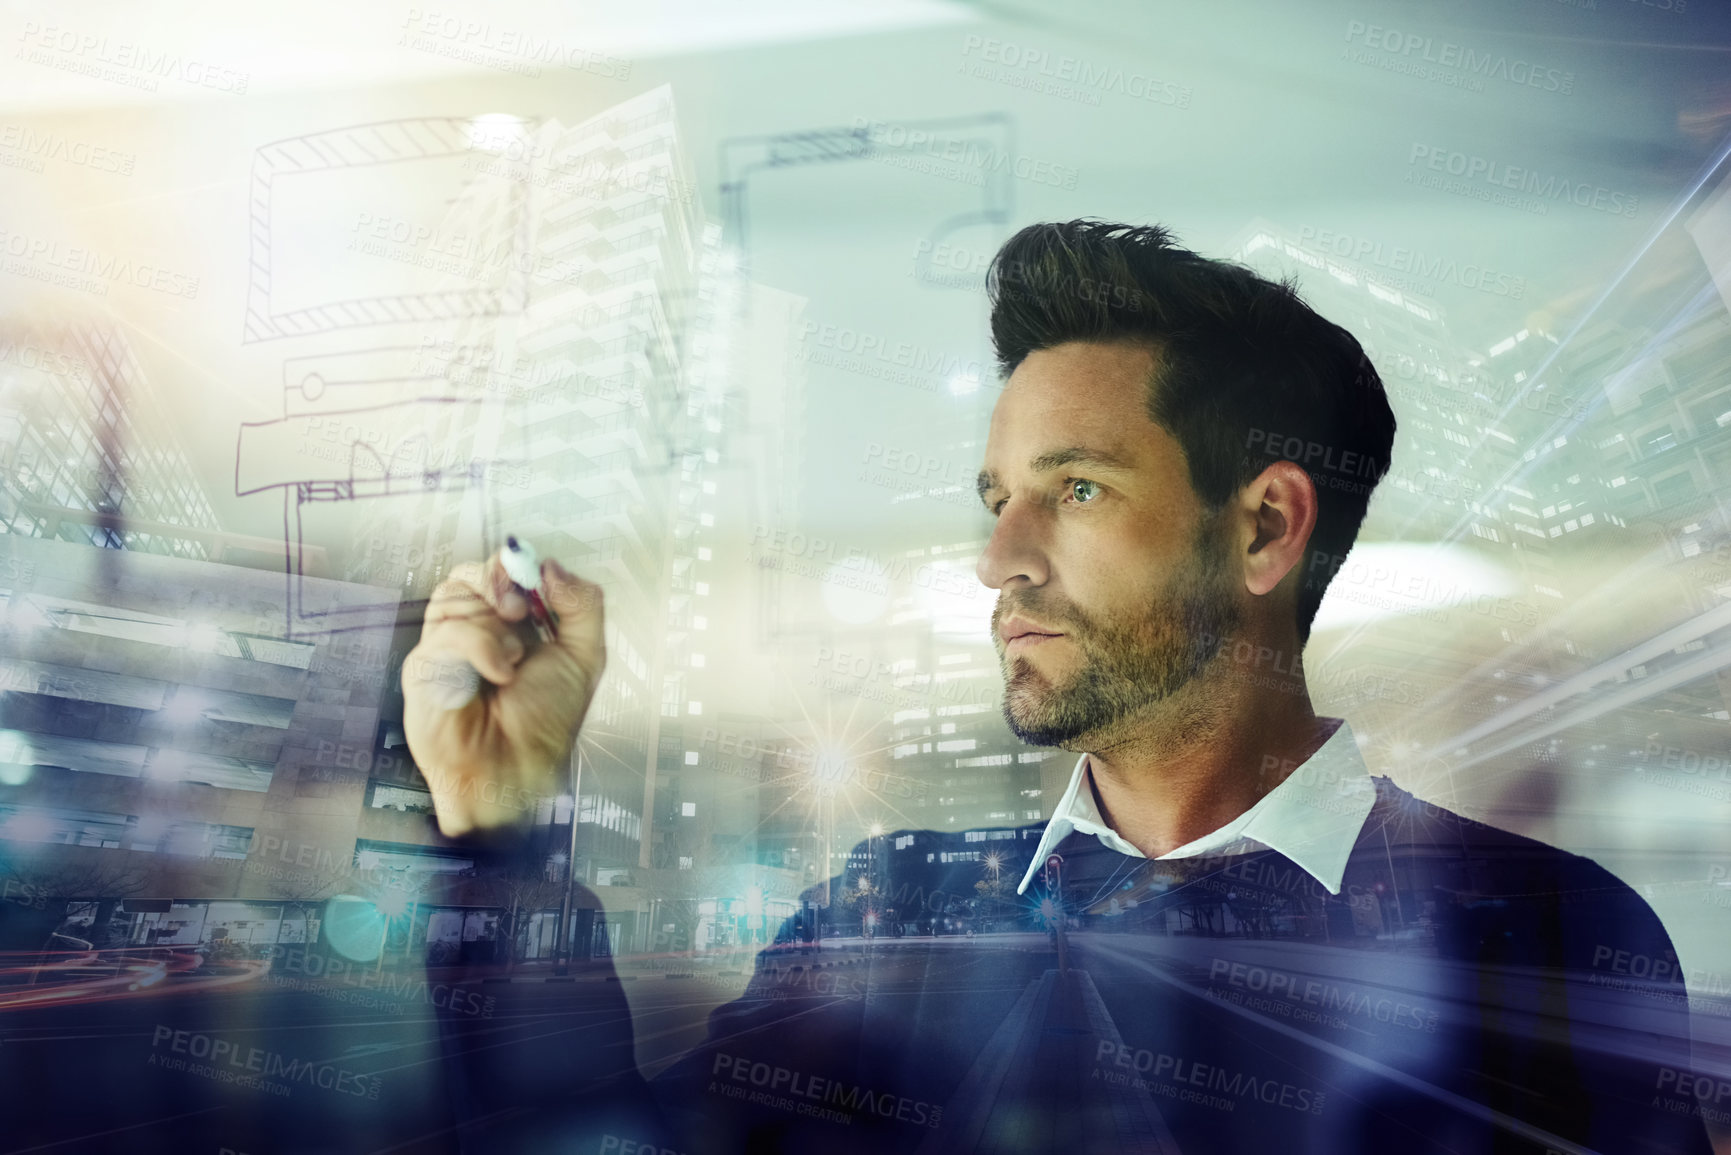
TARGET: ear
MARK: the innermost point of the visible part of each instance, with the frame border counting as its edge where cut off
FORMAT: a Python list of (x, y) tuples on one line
[(1281, 506)]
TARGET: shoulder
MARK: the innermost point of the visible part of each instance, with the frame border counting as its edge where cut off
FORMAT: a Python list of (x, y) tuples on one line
[(1477, 863)]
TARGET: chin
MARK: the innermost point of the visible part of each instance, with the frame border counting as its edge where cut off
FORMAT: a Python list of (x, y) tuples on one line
[(1029, 716)]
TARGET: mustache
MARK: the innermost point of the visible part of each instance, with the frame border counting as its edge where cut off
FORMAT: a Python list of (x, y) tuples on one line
[(1039, 606)]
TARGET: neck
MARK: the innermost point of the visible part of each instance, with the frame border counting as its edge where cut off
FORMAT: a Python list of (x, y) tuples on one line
[(1204, 757)]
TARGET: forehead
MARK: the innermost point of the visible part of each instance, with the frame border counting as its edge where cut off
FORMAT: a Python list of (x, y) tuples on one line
[(1077, 394)]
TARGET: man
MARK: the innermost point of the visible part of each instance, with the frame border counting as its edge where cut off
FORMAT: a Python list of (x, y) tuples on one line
[(1259, 946)]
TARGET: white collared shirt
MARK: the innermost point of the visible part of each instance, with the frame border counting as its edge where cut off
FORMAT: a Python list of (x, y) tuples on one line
[(1313, 817)]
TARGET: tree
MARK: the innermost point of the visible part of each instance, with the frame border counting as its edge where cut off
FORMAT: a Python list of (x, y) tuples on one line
[(521, 887), (672, 902), (865, 900), (306, 894), (101, 885)]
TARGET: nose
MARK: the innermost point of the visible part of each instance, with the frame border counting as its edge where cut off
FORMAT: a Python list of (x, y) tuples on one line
[(1016, 552)]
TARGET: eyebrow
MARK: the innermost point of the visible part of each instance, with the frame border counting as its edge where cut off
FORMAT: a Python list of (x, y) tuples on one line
[(1056, 459)]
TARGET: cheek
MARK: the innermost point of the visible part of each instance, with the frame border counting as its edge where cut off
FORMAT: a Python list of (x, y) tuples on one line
[(1115, 579)]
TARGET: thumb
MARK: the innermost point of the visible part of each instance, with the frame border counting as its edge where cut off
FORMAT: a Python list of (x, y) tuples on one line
[(579, 606)]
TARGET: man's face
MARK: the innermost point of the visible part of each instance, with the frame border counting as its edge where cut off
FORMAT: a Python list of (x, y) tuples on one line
[(1115, 585)]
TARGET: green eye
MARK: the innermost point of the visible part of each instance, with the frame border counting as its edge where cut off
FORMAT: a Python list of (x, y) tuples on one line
[(1084, 491)]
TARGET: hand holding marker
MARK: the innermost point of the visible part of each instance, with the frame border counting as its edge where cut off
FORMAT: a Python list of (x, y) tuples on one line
[(523, 567), (495, 692)]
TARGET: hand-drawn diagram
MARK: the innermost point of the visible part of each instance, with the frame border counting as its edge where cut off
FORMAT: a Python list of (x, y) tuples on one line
[(514, 277)]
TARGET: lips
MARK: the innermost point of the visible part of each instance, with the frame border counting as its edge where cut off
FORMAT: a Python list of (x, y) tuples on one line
[(1019, 629)]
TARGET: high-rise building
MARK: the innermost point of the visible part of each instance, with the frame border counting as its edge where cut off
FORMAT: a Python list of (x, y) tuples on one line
[(588, 420), (87, 451)]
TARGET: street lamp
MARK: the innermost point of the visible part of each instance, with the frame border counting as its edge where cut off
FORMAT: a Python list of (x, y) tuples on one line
[(562, 948), (393, 902)]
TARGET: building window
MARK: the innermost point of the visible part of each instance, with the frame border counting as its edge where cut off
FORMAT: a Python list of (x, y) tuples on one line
[(204, 840), (66, 827), (688, 809), (384, 796)]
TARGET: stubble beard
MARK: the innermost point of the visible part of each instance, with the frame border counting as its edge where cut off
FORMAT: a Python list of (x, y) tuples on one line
[(1133, 669)]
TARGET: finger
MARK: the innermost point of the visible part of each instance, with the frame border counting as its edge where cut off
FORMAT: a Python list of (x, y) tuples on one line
[(441, 684), (457, 600), (471, 614), (473, 586), (579, 605), (490, 647), (507, 599)]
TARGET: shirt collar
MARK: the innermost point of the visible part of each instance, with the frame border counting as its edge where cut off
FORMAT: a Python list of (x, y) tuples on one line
[(1313, 817)]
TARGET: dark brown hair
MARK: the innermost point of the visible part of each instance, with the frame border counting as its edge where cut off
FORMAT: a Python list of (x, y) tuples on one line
[(1248, 374)]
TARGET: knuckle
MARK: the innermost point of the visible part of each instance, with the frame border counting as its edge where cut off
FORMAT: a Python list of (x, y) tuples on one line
[(451, 592)]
